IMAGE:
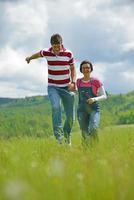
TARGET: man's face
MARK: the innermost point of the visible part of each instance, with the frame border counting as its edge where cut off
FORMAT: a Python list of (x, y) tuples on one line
[(56, 48)]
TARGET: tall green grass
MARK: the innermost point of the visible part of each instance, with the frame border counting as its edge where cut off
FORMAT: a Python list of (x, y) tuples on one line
[(33, 168)]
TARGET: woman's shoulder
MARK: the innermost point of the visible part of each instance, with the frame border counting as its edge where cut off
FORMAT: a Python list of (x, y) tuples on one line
[(78, 80), (95, 78), (96, 81)]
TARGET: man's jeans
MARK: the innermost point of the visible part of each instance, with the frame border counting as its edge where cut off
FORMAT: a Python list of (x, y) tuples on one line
[(56, 95)]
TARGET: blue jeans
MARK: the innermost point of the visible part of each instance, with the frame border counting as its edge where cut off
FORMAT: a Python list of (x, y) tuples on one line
[(56, 96), (89, 123)]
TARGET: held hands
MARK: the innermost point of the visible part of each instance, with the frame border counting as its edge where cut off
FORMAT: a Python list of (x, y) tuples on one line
[(72, 87), (90, 101), (28, 60)]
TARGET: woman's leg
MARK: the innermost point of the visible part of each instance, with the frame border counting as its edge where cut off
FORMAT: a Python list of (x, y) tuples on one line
[(94, 122)]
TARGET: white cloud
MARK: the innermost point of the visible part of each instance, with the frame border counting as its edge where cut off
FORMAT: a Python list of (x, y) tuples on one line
[(99, 71), (98, 29), (87, 9), (27, 19), (128, 47), (129, 77), (18, 77), (10, 90)]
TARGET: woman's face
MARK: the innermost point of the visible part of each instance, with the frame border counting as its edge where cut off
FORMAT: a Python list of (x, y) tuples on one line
[(86, 68)]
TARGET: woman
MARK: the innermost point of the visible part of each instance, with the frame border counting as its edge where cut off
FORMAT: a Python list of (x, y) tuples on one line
[(90, 91)]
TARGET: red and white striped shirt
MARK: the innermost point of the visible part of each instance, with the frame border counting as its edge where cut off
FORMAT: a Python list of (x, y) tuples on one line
[(58, 66)]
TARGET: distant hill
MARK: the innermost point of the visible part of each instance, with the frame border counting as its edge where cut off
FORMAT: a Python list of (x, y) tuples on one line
[(27, 101), (6, 100), (32, 115), (113, 104), (119, 108)]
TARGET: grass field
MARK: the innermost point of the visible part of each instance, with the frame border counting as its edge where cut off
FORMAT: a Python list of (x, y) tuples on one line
[(34, 168)]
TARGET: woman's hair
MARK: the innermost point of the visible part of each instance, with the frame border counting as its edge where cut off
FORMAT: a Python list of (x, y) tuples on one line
[(86, 62), (56, 39)]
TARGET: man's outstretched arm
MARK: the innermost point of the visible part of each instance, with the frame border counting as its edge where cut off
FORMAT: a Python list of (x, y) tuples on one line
[(34, 56)]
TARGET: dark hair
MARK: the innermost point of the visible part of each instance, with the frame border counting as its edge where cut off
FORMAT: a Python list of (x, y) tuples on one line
[(86, 62), (56, 39)]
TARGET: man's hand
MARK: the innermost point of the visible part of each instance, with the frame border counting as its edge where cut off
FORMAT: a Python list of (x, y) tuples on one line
[(90, 101), (34, 56), (72, 87), (28, 60)]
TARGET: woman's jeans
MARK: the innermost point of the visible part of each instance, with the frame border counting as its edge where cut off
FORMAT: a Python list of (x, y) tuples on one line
[(56, 96), (89, 123)]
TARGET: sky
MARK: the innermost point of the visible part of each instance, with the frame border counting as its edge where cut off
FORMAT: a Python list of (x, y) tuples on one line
[(101, 31)]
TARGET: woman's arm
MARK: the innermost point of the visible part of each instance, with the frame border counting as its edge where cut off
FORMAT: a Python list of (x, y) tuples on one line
[(101, 95)]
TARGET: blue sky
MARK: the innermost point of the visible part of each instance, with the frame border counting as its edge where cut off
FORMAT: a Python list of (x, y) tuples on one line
[(99, 30)]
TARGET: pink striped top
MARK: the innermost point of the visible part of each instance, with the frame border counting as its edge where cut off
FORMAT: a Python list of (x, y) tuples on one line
[(58, 66), (93, 82)]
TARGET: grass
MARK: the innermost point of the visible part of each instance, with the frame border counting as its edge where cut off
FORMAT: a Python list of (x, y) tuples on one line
[(34, 168)]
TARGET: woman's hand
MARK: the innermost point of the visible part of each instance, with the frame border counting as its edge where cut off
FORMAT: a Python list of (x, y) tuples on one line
[(90, 101)]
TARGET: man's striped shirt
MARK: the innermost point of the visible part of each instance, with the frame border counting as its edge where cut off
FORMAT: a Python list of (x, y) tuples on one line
[(58, 66)]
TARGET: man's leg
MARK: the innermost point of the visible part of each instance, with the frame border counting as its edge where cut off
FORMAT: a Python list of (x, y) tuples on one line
[(56, 112), (68, 103)]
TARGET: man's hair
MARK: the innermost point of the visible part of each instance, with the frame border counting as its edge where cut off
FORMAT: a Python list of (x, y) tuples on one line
[(56, 39), (86, 62)]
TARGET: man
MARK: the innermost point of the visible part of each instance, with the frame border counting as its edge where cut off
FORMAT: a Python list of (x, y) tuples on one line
[(61, 83)]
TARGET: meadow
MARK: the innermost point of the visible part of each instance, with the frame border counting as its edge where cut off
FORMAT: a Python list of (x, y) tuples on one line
[(37, 168), (34, 167)]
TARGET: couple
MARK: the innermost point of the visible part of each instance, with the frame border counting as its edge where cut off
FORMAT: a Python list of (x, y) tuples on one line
[(61, 86)]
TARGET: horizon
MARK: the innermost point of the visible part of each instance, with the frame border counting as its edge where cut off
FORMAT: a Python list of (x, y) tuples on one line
[(46, 95)]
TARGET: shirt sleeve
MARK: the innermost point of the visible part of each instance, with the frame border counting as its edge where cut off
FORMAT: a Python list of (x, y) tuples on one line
[(43, 52), (101, 94), (71, 60), (96, 84)]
